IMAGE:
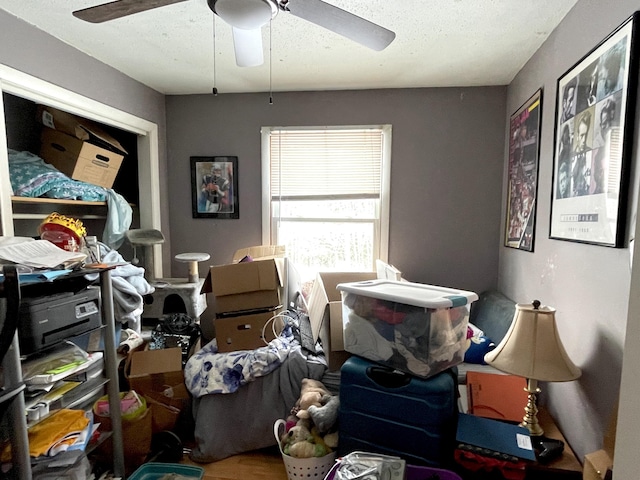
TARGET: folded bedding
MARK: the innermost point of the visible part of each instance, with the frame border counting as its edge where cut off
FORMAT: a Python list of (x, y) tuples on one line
[(31, 176)]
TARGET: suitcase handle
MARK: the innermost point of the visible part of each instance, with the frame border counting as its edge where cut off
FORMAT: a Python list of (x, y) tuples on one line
[(388, 378)]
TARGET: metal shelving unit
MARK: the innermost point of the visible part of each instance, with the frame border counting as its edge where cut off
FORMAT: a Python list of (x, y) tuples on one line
[(12, 396)]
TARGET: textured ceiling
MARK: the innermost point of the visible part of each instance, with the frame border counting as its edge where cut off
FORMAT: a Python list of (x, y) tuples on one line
[(438, 43)]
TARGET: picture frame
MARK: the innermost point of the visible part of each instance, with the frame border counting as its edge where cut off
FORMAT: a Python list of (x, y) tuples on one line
[(522, 188), (595, 110), (214, 187)]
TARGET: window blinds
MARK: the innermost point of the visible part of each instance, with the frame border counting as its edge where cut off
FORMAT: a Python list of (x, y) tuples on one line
[(331, 163)]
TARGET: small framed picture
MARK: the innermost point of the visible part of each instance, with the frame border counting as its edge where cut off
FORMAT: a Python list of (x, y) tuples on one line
[(524, 154), (214, 187), (595, 110)]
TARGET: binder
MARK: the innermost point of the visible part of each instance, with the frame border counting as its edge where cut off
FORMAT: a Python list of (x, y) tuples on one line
[(490, 436), (494, 395)]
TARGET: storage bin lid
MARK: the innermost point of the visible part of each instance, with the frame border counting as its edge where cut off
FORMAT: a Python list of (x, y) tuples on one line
[(417, 294)]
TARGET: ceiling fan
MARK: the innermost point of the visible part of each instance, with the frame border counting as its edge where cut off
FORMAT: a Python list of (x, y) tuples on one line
[(247, 17)]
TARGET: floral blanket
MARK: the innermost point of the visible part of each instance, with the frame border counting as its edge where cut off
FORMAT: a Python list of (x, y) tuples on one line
[(208, 371)]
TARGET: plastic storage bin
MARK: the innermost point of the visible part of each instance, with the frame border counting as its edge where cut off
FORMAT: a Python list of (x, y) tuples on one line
[(417, 328), (413, 472), (157, 471)]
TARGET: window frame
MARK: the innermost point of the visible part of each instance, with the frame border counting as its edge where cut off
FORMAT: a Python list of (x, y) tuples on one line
[(381, 235)]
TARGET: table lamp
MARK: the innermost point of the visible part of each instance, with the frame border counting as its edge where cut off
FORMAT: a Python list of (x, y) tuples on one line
[(532, 349)]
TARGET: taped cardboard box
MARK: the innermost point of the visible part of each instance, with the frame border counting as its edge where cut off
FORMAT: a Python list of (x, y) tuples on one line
[(157, 374), (243, 287), (247, 332), (325, 313), (79, 148), (80, 160)]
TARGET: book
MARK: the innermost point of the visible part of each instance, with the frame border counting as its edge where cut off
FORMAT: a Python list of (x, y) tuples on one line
[(495, 438)]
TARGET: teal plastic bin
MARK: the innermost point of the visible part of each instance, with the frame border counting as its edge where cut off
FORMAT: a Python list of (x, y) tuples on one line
[(156, 470)]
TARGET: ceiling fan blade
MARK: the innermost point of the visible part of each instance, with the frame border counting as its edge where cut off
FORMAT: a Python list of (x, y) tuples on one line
[(248, 47), (342, 22), (118, 9)]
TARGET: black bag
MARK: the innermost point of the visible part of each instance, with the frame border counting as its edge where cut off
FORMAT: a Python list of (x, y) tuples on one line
[(176, 330)]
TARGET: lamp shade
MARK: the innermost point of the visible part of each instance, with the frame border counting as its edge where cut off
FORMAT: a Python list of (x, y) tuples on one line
[(532, 347)]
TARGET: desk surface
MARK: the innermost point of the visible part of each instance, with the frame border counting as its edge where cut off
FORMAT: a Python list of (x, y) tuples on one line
[(566, 466)]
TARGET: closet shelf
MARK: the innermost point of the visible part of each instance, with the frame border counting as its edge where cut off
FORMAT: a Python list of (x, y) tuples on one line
[(28, 208)]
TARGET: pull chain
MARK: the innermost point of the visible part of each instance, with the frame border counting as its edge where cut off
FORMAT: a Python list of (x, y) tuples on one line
[(270, 78), (214, 90)]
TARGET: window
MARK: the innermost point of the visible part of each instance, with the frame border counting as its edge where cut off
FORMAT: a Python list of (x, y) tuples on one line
[(326, 195)]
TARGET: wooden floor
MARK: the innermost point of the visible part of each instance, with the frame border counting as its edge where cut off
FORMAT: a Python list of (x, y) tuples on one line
[(255, 465)]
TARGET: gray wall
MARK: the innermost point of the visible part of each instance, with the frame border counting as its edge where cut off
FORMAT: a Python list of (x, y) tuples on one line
[(32, 51), (449, 162), (588, 285), (446, 171)]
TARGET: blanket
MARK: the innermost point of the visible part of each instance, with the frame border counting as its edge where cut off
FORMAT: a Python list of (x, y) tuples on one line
[(226, 425), (129, 285), (31, 176), (210, 372)]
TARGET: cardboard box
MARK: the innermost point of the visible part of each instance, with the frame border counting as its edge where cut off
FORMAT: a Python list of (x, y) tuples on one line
[(245, 332), (79, 148), (78, 127), (163, 417), (597, 465), (152, 372), (325, 313), (243, 287), (78, 159), (260, 252)]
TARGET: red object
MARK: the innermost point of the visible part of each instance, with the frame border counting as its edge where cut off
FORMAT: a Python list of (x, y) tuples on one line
[(475, 462), (388, 315)]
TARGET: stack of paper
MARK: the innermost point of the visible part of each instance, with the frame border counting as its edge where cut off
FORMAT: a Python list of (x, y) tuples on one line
[(39, 254)]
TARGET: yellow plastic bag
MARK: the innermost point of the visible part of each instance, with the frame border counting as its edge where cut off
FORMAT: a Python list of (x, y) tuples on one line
[(61, 427)]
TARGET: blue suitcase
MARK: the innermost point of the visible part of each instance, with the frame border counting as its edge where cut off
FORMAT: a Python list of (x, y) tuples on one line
[(387, 411)]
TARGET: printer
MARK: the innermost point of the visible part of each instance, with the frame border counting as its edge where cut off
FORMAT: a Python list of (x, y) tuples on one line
[(47, 320)]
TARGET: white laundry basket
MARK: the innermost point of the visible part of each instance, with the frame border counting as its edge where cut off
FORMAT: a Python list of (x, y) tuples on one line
[(303, 468)]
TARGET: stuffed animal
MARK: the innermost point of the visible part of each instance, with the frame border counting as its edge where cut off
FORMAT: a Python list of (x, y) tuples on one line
[(307, 428), (306, 401), (325, 416), (299, 442), (311, 393)]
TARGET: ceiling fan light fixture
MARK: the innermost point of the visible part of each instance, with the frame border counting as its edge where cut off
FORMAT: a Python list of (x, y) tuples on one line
[(244, 14)]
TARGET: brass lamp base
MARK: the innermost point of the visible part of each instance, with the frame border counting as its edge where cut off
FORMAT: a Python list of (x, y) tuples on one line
[(530, 419)]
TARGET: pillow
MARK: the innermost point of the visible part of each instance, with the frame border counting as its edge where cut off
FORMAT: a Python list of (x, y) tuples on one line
[(479, 346)]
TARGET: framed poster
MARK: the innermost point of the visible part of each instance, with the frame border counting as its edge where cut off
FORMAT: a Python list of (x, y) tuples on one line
[(595, 111), (214, 187), (524, 153)]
